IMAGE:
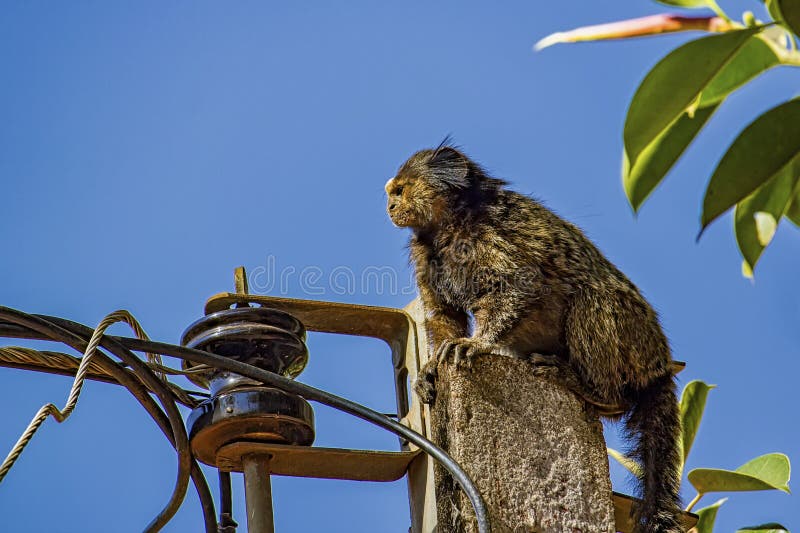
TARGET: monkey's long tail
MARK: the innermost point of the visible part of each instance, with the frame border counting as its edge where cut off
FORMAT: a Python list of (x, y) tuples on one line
[(654, 426)]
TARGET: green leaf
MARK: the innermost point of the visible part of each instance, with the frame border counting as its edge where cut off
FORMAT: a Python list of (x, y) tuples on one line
[(651, 152), (674, 84), (773, 468), (707, 516), (693, 403), (756, 56), (756, 217), (790, 10), (660, 155), (768, 472), (774, 10), (630, 465), (758, 154), (772, 527)]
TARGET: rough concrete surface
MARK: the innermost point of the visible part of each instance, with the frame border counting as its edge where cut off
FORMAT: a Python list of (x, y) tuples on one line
[(535, 451)]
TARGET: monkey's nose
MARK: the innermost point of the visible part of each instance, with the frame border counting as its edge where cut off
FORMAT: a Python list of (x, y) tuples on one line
[(392, 206)]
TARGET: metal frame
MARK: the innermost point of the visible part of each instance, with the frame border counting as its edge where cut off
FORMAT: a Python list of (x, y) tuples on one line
[(401, 329)]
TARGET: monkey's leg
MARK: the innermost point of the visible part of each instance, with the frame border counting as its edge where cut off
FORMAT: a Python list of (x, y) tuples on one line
[(442, 324), (615, 343), (495, 314), (555, 369)]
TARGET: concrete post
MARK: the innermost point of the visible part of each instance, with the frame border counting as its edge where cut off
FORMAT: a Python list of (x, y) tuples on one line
[(535, 451)]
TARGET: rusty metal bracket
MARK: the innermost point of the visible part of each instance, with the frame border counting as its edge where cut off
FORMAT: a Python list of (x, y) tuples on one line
[(400, 329)]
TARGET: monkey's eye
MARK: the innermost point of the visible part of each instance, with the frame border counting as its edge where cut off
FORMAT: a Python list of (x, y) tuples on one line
[(398, 190)]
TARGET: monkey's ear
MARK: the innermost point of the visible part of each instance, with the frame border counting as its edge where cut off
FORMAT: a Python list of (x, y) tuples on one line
[(449, 166)]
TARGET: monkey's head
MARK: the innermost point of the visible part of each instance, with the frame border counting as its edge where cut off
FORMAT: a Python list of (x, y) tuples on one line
[(437, 185)]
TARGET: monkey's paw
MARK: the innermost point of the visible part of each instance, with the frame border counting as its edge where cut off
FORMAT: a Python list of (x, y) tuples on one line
[(462, 351), (425, 384)]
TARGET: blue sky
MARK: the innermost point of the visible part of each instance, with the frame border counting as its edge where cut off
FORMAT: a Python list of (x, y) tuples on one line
[(147, 149)]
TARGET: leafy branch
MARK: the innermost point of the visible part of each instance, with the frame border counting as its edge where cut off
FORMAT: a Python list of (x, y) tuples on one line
[(759, 175)]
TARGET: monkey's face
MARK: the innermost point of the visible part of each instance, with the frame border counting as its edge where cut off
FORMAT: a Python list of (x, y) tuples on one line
[(406, 201), (419, 196)]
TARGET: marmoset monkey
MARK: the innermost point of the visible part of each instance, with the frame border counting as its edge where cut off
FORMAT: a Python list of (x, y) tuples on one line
[(537, 288)]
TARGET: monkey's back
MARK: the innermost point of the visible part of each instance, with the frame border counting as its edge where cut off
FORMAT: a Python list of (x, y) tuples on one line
[(573, 301), (609, 328)]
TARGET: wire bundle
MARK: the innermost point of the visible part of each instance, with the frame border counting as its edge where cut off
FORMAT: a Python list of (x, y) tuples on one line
[(141, 379)]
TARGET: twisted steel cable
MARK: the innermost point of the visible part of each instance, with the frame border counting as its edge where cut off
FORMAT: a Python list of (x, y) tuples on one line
[(55, 360), (64, 363), (62, 414)]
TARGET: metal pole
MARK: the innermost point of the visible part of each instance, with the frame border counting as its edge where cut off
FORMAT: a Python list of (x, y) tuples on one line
[(258, 493)]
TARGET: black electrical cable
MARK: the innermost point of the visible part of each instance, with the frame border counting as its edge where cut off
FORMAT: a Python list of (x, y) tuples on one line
[(198, 478), (226, 522), (337, 402), (52, 331)]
